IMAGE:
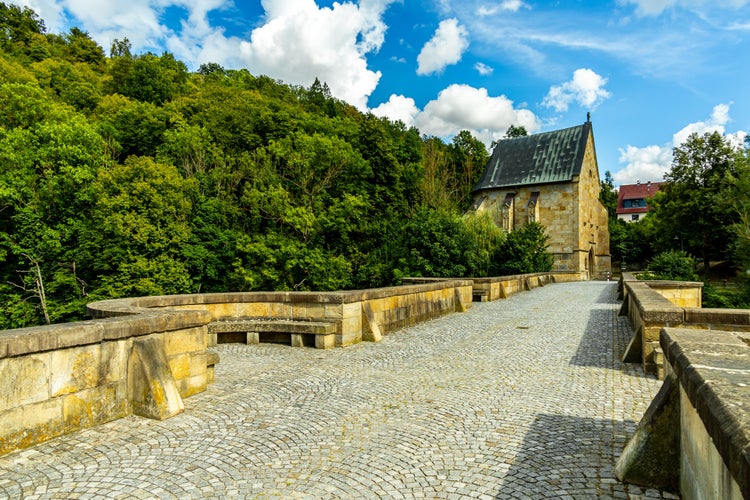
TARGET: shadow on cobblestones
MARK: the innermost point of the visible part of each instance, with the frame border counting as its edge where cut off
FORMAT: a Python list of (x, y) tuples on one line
[(566, 457), (605, 337)]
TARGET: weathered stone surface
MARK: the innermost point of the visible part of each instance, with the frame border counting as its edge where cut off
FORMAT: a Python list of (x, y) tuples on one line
[(24, 380), (188, 340), (73, 370), (23, 426), (151, 387), (713, 368), (371, 332), (652, 456), (95, 406)]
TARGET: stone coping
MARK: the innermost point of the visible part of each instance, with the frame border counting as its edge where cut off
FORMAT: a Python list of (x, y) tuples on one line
[(733, 317), (653, 306), (116, 319), (22, 341), (137, 304), (713, 368), (496, 279)]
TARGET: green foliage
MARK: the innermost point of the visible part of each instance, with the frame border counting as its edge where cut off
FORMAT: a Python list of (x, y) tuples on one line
[(484, 243), (725, 298), (434, 244), (148, 78), (692, 207), (138, 228), (525, 251), (608, 196), (126, 175), (516, 131), (674, 265)]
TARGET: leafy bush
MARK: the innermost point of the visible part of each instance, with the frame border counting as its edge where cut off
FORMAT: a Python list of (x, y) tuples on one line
[(672, 265), (484, 241), (525, 251)]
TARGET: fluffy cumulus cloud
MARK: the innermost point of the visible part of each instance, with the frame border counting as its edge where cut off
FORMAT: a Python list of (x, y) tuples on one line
[(461, 107), (586, 89), (643, 164), (297, 42), (301, 41), (445, 48), (398, 108), (652, 162), (52, 11), (141, 21)]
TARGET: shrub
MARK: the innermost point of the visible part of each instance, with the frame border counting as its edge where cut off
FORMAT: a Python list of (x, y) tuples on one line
[(674, 265), (525, 251)]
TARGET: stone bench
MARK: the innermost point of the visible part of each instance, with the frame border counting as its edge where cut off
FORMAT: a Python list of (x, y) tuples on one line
[(294, 332)]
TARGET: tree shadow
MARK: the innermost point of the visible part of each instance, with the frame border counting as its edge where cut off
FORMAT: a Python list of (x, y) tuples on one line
[(606, 336), (567, 456)]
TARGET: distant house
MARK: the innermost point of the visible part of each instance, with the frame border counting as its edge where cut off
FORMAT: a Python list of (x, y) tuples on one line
[(551, 178), (632, 200)]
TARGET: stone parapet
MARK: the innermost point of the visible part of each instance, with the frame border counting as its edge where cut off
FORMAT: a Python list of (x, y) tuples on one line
[(143, 355), (502, 287), (57, 379), (703, 451)]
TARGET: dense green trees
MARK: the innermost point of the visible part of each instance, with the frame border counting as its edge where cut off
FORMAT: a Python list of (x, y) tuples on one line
[(701, 213), (692, 206), (128, 175)]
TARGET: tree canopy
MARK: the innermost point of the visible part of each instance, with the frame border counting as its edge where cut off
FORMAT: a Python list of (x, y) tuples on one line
[(128, 174)]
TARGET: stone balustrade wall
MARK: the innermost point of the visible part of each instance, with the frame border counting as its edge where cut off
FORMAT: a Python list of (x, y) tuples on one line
[(502, 287), (694, 437), (143, 355)]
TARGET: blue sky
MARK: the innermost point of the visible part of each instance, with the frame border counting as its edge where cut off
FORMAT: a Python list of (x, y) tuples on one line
[(649, 71)]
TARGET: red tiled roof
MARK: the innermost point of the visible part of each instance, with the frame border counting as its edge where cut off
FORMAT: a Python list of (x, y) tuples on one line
[(642, 190)]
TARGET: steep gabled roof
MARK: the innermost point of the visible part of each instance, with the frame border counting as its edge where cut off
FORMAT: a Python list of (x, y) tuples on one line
[(642, 190), (544, 158)]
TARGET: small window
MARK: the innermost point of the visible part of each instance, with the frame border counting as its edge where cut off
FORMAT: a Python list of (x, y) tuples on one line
[(532, 209), (635, 217), (507, 210), (478, 203)]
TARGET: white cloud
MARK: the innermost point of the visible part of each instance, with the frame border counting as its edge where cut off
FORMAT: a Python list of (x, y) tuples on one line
[(300, 42), (460, 107), (643, 164), (445, 48), (398, 107), (656, 7), (483, 69), (51, 11), (297, 43), (586, 88), (719, 118), (505, 6), (652, 162)]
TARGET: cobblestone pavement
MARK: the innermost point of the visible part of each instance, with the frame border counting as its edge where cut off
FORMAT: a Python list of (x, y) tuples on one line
[(520, 398)]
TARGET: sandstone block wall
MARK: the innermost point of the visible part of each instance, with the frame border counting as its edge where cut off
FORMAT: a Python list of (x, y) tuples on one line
[(695, 434), (712, 370), (653, 305), (62, 378)]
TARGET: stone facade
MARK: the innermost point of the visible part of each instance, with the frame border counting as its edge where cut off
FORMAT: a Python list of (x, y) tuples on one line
[(560, 192)]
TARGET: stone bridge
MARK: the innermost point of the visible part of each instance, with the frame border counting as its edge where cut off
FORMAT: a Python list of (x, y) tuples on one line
[(525, 397)]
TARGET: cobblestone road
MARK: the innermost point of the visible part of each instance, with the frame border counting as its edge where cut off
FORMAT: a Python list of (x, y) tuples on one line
[(521, 398)]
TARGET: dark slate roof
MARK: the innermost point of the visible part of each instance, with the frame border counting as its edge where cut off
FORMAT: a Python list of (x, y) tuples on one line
[(536, 159)]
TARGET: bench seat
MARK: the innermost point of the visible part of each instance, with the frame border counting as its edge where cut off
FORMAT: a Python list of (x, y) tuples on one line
[(294, 332)]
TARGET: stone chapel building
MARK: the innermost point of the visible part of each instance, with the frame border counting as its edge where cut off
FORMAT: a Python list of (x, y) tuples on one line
[(551, 178)]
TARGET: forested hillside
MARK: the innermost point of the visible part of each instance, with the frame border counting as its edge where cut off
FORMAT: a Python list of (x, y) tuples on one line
[(128, 175)]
